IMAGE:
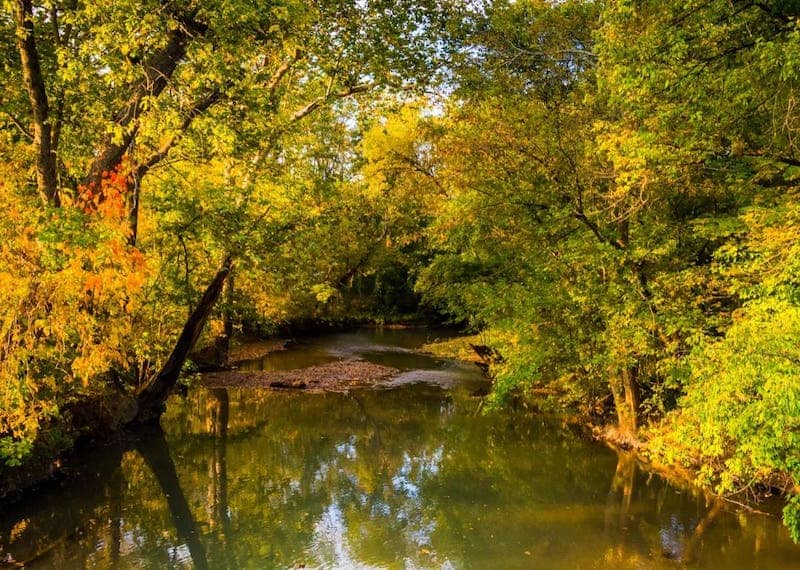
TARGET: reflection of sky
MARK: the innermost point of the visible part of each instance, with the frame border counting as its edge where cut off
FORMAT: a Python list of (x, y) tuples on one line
[(179, 555), (331, 549), (672, 537), (131, 542), (321, 473), (411, 474), (330, 546), (417, 468), (348, 448)]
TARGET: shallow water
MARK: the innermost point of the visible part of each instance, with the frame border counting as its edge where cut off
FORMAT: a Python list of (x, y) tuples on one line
[(410, 476)]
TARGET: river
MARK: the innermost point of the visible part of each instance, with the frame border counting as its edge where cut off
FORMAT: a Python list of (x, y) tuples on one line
[(412, 475)]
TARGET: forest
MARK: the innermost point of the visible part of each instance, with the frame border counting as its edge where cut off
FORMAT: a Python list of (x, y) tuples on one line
[(604, 192)]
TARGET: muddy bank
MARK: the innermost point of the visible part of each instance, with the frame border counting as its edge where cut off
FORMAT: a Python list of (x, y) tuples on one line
[(258, 349), (339, 376)]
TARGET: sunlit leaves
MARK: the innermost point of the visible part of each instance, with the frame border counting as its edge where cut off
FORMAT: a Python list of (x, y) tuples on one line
[(69, 288)]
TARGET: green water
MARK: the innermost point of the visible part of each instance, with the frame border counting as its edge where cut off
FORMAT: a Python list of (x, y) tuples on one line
[(410, 476)]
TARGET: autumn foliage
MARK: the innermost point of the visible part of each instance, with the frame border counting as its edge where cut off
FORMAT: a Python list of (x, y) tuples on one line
[(108, 199), (606, 191), (70, 290)]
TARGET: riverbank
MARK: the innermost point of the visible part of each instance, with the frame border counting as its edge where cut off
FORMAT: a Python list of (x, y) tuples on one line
[(94, 422), (339, 376), (650, 457)]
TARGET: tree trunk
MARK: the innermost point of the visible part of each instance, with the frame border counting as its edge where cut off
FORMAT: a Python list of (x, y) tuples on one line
[(625, 391), (133, 207), (225, 344), (46, 172), (158, 70), (152, 398)]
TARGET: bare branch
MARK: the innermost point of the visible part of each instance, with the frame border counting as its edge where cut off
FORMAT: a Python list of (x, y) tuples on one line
[(281, 71), (319, 101), (16, 122)]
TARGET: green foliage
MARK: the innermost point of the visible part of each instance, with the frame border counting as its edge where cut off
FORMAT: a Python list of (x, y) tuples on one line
[(791, 516), (196, 131), (742, 405), (605, 191)]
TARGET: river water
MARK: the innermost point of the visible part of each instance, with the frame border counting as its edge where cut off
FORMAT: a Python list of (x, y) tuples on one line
[(412, 475)]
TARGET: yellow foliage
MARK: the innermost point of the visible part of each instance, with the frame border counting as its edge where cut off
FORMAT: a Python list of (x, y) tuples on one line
[(68, 284)]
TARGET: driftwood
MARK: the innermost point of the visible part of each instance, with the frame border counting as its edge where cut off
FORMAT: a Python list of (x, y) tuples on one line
[(487, 355)]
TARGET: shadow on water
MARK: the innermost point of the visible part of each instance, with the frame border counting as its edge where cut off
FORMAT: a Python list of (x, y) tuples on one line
[(155, 451), (48, 525), (58, 537), (405, 477)]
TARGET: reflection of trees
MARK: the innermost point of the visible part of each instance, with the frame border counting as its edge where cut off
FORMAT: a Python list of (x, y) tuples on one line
[(315, 453), (262, 479), (217, 505), (506, 499), (115, 521), (639, 533), (618, 503), (699, 530), (155, 452)]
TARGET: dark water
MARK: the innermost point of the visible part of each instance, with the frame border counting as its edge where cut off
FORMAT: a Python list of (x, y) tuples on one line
[(410, 476)]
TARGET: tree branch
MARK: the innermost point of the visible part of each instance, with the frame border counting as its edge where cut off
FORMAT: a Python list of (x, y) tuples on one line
[(158, 71), (280, 72), (197, 109), (578, 214), (19, 125), (319, 101)]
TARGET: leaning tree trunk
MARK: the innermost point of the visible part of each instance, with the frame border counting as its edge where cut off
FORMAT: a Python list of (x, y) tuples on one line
[(152, 398), (227, 335)]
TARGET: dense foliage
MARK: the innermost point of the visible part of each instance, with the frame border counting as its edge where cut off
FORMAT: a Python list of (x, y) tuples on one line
[(152, 151), (621, 221), (606, 190)]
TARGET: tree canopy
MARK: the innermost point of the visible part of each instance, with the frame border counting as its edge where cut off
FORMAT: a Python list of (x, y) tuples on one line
[(606, 191)]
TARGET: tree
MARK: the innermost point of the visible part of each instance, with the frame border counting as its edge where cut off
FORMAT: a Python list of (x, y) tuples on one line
[(615, 213), (706, 89), (97, 99)]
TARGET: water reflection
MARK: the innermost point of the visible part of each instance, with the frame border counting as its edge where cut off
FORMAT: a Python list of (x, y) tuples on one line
[(403, 478), (155, 452)]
